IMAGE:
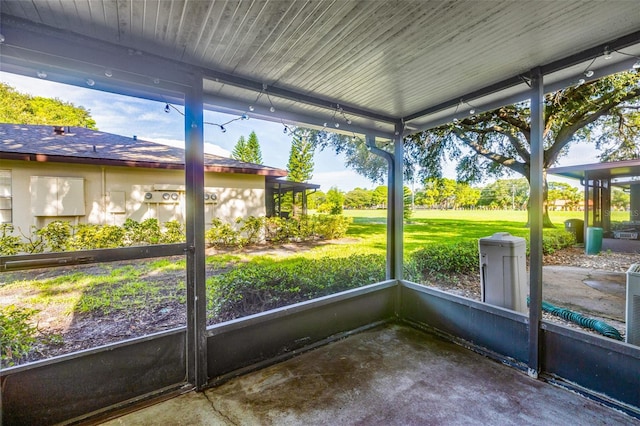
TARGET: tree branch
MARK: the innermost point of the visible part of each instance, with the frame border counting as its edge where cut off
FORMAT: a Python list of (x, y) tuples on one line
[(565, 134), (503, 160)]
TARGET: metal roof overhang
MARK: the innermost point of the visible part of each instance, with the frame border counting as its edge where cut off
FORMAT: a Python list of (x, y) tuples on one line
[(287, 185), (377, 65), (621, 173)]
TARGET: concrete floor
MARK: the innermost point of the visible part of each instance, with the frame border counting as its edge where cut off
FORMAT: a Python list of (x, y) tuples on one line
[(393, 375)]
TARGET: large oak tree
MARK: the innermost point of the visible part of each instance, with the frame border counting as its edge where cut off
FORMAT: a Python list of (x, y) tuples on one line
[(604, 112)]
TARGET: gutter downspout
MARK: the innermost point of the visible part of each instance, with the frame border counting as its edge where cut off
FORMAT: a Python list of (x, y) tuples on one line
[(371, 147), (104, 194)]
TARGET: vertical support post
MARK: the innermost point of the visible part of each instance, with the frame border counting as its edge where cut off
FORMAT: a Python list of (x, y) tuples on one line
[(536, 211), (371, 146), (586, 202), (398, 202), (194, 182), (634, 194), (606, 205)]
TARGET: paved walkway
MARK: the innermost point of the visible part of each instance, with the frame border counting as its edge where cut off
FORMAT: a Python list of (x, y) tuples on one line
[(587, 291)]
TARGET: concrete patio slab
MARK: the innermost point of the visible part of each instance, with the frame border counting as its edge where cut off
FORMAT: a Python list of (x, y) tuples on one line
[(394, 375)]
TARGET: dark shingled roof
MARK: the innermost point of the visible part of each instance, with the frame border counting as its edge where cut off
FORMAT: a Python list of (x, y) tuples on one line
[(80, 145)]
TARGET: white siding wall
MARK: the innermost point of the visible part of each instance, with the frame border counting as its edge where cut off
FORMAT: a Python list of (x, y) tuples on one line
[(113, 194)]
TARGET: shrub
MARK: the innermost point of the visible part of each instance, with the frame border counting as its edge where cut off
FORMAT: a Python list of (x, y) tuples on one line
[(32, 243), (556, 239), (307, 226), (17, 334), (251, 229), (174, 232), (332, 226), (222, 234), (88, 237), (139, 233), (9, 244), (259, 286), (463, 256), (272, 227), (56, 235), (460, 257)]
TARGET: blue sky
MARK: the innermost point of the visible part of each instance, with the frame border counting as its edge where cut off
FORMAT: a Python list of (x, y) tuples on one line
[(128, 116)]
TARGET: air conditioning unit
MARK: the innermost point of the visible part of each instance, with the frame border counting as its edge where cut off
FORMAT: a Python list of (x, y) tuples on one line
[(163, 197), (633, 305), (503, 278)]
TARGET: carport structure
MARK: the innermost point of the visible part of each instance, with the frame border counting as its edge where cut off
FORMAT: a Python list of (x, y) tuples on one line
[(598, 180), (374, 68)]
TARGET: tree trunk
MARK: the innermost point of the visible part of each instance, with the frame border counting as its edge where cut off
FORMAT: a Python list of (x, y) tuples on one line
[(546, 220)]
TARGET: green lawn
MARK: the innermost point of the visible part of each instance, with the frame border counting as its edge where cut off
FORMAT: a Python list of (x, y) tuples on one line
[(442, 226)]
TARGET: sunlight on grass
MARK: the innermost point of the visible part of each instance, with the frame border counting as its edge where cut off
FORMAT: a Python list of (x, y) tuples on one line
[(100, 288), (110, 287)]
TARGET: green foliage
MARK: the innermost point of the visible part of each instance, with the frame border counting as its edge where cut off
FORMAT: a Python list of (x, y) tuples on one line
[(359, 198), (334, 202), (240, 150), (221, 234), (56, 235), (9, 244), (462, 257), (315, 199), (620, 199), (459, 257), (556, 239), (253, 149), (259, 286), (173, 232), (89, 237), (380, 196), (140, 233), (19, 108), (33, 243), (331, 226), (466, 196), (252, 229), (569, 196), (505, 194), (300, 165), (276, 230), (17, 333), (247, 150)]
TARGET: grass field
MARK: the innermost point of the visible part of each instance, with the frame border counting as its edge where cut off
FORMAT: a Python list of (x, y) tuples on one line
[(442, 226), (149, 287)]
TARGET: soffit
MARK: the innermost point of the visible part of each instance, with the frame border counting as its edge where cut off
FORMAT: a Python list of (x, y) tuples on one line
[(381, 61)]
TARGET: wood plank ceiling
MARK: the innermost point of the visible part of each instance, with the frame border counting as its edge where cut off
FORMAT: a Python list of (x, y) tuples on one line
[(392, 59)]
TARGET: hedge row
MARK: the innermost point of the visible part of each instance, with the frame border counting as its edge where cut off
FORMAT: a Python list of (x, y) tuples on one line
[(259, 286), (252, 230), (60, 235)]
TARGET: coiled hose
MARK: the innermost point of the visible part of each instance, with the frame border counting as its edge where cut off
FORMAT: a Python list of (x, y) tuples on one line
[(594, 324)]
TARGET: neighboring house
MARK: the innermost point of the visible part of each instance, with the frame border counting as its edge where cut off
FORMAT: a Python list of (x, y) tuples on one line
[(52, 173)]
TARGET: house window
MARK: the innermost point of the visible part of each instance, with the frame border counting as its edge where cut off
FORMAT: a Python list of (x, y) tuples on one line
[(5, 196)]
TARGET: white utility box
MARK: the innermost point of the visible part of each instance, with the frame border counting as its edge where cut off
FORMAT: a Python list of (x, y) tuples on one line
[(632, 334), (503, 278)]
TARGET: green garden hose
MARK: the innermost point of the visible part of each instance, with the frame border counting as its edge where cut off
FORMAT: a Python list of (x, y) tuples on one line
[(594, 324)]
